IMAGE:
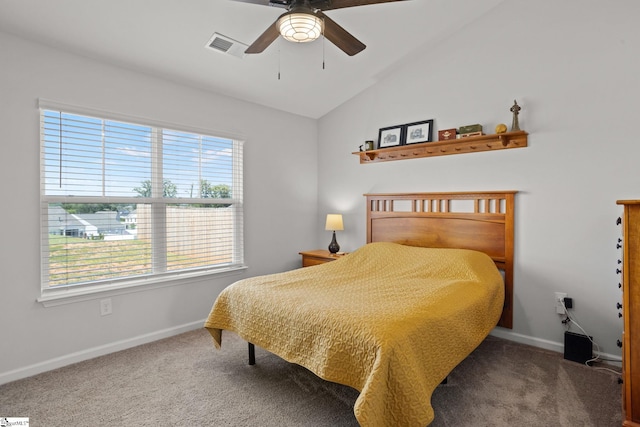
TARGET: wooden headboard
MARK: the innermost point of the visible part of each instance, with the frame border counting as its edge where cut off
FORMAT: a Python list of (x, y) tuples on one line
[(482, 221)]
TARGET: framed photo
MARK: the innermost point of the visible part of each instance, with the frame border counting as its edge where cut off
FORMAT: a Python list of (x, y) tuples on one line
[(390, 136), (418, 132)]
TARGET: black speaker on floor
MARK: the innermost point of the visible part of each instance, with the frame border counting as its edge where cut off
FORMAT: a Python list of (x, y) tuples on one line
[(577, 348)]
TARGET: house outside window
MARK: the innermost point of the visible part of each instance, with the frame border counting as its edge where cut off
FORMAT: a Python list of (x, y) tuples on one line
[(124, 202)]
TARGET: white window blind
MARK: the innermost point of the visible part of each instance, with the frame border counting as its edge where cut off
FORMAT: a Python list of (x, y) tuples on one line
[(125, 202)]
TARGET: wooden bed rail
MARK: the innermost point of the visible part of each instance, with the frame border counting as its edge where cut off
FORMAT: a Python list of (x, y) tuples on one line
[(441, 202)]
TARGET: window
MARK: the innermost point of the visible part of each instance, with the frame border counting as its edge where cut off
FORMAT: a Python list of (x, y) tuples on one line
[(126, 203)]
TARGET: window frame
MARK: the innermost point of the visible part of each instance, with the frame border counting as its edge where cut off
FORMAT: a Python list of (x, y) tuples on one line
[(64, 294)]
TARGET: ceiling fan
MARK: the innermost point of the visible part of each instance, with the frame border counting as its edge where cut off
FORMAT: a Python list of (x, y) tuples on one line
[(305, 21)]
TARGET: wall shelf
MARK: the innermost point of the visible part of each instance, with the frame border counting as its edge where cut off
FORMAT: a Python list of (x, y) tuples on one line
[(473, 144)]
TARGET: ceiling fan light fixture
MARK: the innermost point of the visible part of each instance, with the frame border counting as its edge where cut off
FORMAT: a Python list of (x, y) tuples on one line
[(300, 27)]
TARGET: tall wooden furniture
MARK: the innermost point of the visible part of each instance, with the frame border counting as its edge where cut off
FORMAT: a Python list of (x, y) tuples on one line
[(631, 312)]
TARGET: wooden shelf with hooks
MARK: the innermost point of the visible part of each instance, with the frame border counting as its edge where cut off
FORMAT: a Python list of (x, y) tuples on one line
[(472, 144)]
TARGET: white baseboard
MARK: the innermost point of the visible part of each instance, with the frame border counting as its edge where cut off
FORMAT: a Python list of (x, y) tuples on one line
[(525, 339), (58, 362), (545, 344)]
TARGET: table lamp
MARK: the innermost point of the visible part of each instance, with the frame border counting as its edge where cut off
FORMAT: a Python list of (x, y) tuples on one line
[(334, 222)]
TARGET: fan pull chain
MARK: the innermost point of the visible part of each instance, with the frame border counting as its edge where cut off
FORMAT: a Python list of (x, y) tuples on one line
[(323, 39), (278, 61)]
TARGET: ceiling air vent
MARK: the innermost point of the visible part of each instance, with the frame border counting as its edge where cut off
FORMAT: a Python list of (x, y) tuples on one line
[(227, 45)]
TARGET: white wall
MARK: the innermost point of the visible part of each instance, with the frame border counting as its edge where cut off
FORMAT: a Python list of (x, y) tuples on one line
[(280, 203), (573, 66)]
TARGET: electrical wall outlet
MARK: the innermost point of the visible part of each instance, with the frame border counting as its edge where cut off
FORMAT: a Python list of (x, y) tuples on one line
[(560, 296), (105, 307)]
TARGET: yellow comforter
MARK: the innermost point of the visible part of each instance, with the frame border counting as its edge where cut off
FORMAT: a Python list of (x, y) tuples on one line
[(389, 320)]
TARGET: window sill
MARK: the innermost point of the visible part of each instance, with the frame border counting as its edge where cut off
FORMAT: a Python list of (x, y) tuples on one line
[(70, 295)]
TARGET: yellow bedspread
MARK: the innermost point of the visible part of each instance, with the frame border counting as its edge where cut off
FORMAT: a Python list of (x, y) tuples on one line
[(389, 320)]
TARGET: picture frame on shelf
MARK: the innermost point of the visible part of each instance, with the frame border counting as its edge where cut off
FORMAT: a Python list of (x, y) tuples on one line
[(418, 132), (390, 136)]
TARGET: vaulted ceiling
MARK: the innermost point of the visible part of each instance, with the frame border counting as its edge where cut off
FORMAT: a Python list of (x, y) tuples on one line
[(167, 38)]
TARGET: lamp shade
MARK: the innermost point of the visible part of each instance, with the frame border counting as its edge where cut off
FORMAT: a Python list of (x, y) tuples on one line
[(334, 222), (300, 27)]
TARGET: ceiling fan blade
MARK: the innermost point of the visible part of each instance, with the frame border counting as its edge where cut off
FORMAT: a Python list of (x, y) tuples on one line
[(264, 40), (277, 3), (340, 37), (263, 2), (341, 4)]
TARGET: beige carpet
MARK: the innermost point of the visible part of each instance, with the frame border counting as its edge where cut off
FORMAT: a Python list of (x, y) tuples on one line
[(184, 381)]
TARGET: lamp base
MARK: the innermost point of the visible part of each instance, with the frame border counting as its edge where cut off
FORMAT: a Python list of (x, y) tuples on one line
[(334, 246)]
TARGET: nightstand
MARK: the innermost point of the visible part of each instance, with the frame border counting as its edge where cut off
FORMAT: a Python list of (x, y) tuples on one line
[(319, 256)]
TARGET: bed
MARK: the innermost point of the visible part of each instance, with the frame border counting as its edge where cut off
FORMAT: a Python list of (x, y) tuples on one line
[(394, 317)]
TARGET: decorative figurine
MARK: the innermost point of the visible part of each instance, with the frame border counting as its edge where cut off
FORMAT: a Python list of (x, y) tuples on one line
[(515, 110), (501, 128)]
